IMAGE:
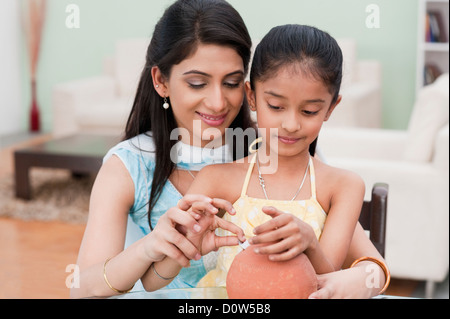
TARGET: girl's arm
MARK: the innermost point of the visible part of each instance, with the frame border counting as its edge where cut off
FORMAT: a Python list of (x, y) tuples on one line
[(294, 236), (345, 208), (362, 246), (357, 282), (104, 237)]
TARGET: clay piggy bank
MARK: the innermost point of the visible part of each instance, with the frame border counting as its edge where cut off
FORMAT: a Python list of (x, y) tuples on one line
[(254, 276)]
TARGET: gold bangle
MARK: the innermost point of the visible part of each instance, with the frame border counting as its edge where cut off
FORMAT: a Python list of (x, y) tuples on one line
[(156, 273), (109, 285), (383, 266)]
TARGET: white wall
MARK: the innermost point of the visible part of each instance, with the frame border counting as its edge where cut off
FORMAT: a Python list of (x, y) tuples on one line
[(11, 112)]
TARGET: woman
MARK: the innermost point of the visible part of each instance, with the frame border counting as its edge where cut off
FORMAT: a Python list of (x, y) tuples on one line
[(193, 80)]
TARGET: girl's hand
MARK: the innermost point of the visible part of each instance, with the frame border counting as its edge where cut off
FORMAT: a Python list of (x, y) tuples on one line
[(206, 239), (168, 239), (286, 235)]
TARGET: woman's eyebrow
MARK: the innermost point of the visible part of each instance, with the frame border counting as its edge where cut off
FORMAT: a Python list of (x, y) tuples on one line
[(196, 72), (240, 72)]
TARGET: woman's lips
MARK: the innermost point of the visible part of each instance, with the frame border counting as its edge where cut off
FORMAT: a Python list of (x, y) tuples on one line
[(213, 120), (288, 140)]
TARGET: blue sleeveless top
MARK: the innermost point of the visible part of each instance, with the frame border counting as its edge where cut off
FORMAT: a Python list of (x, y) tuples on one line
[(138, 156)]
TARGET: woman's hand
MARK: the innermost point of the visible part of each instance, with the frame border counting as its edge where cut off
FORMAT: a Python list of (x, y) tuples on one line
[(168, 237), (344, 284), (286, 235), (206, 239)]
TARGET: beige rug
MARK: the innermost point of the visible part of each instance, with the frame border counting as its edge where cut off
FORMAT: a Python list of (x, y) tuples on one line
[(56, 195)]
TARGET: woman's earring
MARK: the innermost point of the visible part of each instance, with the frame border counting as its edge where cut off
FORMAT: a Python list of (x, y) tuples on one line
[(166, 104)]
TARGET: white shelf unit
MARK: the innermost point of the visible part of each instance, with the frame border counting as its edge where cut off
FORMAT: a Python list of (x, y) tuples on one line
[(432, 53)]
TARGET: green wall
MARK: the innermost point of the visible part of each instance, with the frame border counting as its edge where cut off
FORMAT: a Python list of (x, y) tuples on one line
[(69, 54)]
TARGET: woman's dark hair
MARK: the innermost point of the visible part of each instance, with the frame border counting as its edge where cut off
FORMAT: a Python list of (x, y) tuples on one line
[(314, 51), (183, 27)]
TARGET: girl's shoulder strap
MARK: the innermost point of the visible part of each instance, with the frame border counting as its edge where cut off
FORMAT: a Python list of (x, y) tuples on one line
[(249, 174), (312, 175)]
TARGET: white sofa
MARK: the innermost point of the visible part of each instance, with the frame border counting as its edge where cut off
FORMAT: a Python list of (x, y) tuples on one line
[(102, 103), (415, 164), (361, 104)]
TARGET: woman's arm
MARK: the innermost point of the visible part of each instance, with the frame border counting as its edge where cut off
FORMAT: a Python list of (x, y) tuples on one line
[(111, 198), (104, 238), (205, 239), (208, 215)]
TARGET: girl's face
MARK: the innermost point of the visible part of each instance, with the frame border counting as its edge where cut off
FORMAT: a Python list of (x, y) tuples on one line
[(206, 92), (295, 105)]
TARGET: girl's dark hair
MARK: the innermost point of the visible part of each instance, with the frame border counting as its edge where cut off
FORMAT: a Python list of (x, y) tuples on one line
[(313, 50), (183, 26)]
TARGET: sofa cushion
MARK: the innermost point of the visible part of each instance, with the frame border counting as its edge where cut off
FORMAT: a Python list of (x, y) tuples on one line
[(430, 114), (113, 114), (129, 63), (348, 48)]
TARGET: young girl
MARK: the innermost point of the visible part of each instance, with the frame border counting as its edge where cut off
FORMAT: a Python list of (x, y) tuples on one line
[(304, 205)]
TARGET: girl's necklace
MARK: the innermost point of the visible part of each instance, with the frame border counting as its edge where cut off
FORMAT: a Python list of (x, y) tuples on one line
[(263, 184), (190, 173)]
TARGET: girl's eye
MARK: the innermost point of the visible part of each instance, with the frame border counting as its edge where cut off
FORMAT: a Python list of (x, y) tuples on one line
[(310, 112), (274, 107)]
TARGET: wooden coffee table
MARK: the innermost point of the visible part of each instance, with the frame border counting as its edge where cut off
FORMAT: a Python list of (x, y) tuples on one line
[(81, 154)]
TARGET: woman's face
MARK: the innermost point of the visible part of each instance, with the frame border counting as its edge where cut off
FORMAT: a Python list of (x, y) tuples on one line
[(206, 92)]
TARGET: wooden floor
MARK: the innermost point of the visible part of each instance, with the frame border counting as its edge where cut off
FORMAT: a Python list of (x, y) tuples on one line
[(34, 255)]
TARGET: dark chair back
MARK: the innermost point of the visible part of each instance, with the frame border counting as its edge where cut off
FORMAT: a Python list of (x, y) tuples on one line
[(373, 216)]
